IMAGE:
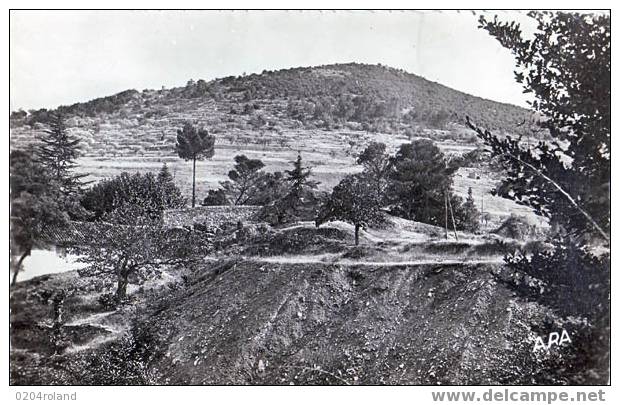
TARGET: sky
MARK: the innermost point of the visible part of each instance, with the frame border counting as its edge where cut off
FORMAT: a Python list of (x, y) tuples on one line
[(62, 57)]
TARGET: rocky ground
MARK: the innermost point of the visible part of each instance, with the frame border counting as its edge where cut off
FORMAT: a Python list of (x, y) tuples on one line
[(302, 306)]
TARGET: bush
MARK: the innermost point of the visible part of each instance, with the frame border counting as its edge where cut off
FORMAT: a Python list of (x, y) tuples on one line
[(516, 227), (155, 192), (576, 284), (108, 301), (297, 241), (215, 197), (357, 252), (126, 361), (565, 276)]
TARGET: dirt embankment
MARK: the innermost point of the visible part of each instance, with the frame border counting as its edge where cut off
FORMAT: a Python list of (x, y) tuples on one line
[(263, 323), (254, 322)]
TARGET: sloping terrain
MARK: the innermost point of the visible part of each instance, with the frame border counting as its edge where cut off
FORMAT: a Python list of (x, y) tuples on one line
[(300, 324), (409, 310)]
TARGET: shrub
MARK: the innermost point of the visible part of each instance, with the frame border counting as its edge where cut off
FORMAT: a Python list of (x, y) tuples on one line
[(516, 227), (565, 276), (108, 301), (156, 192)]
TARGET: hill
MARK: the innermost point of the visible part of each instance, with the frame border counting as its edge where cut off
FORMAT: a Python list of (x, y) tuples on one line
[(344, 96), (327, 112)]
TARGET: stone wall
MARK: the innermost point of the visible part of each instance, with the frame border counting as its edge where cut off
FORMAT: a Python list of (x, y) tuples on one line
[(211, 217)]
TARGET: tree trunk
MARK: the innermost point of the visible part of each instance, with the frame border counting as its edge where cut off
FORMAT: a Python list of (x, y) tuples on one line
[(18, 266), (357, 234), (194, 183), (121, 287)]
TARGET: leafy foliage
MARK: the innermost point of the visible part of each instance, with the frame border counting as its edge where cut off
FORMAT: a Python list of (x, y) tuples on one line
[(245, 178), (298, 200), (574, 281), (353, 200), (130, 245), (271, 188), (194, 143), (419, 182), (471, 215), (215, 197), (377, 165), (157, 193), (36, 204), (566, 66), (126, 361)]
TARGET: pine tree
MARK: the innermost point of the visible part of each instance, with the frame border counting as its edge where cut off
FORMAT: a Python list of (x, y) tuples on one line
[(169, 193), (164, 175), (377, 166), (194, 144), (244, 180), (420, 178), (471, 215), (567, 68), (297, 194), (57, 153), (301, 189)]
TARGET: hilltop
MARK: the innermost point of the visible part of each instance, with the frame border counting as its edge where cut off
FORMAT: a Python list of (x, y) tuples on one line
[(369, 98)]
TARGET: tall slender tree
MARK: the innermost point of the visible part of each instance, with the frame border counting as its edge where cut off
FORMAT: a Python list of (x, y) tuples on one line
[(300, 187), (58, 152), (194, 144), (471, 215)]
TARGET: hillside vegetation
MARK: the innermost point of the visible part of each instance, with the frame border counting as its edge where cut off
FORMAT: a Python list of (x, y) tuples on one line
[(260, 108)]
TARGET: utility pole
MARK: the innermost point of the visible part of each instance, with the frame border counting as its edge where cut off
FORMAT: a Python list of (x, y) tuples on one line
[(445, 200), (453, 222), (482, 209)]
